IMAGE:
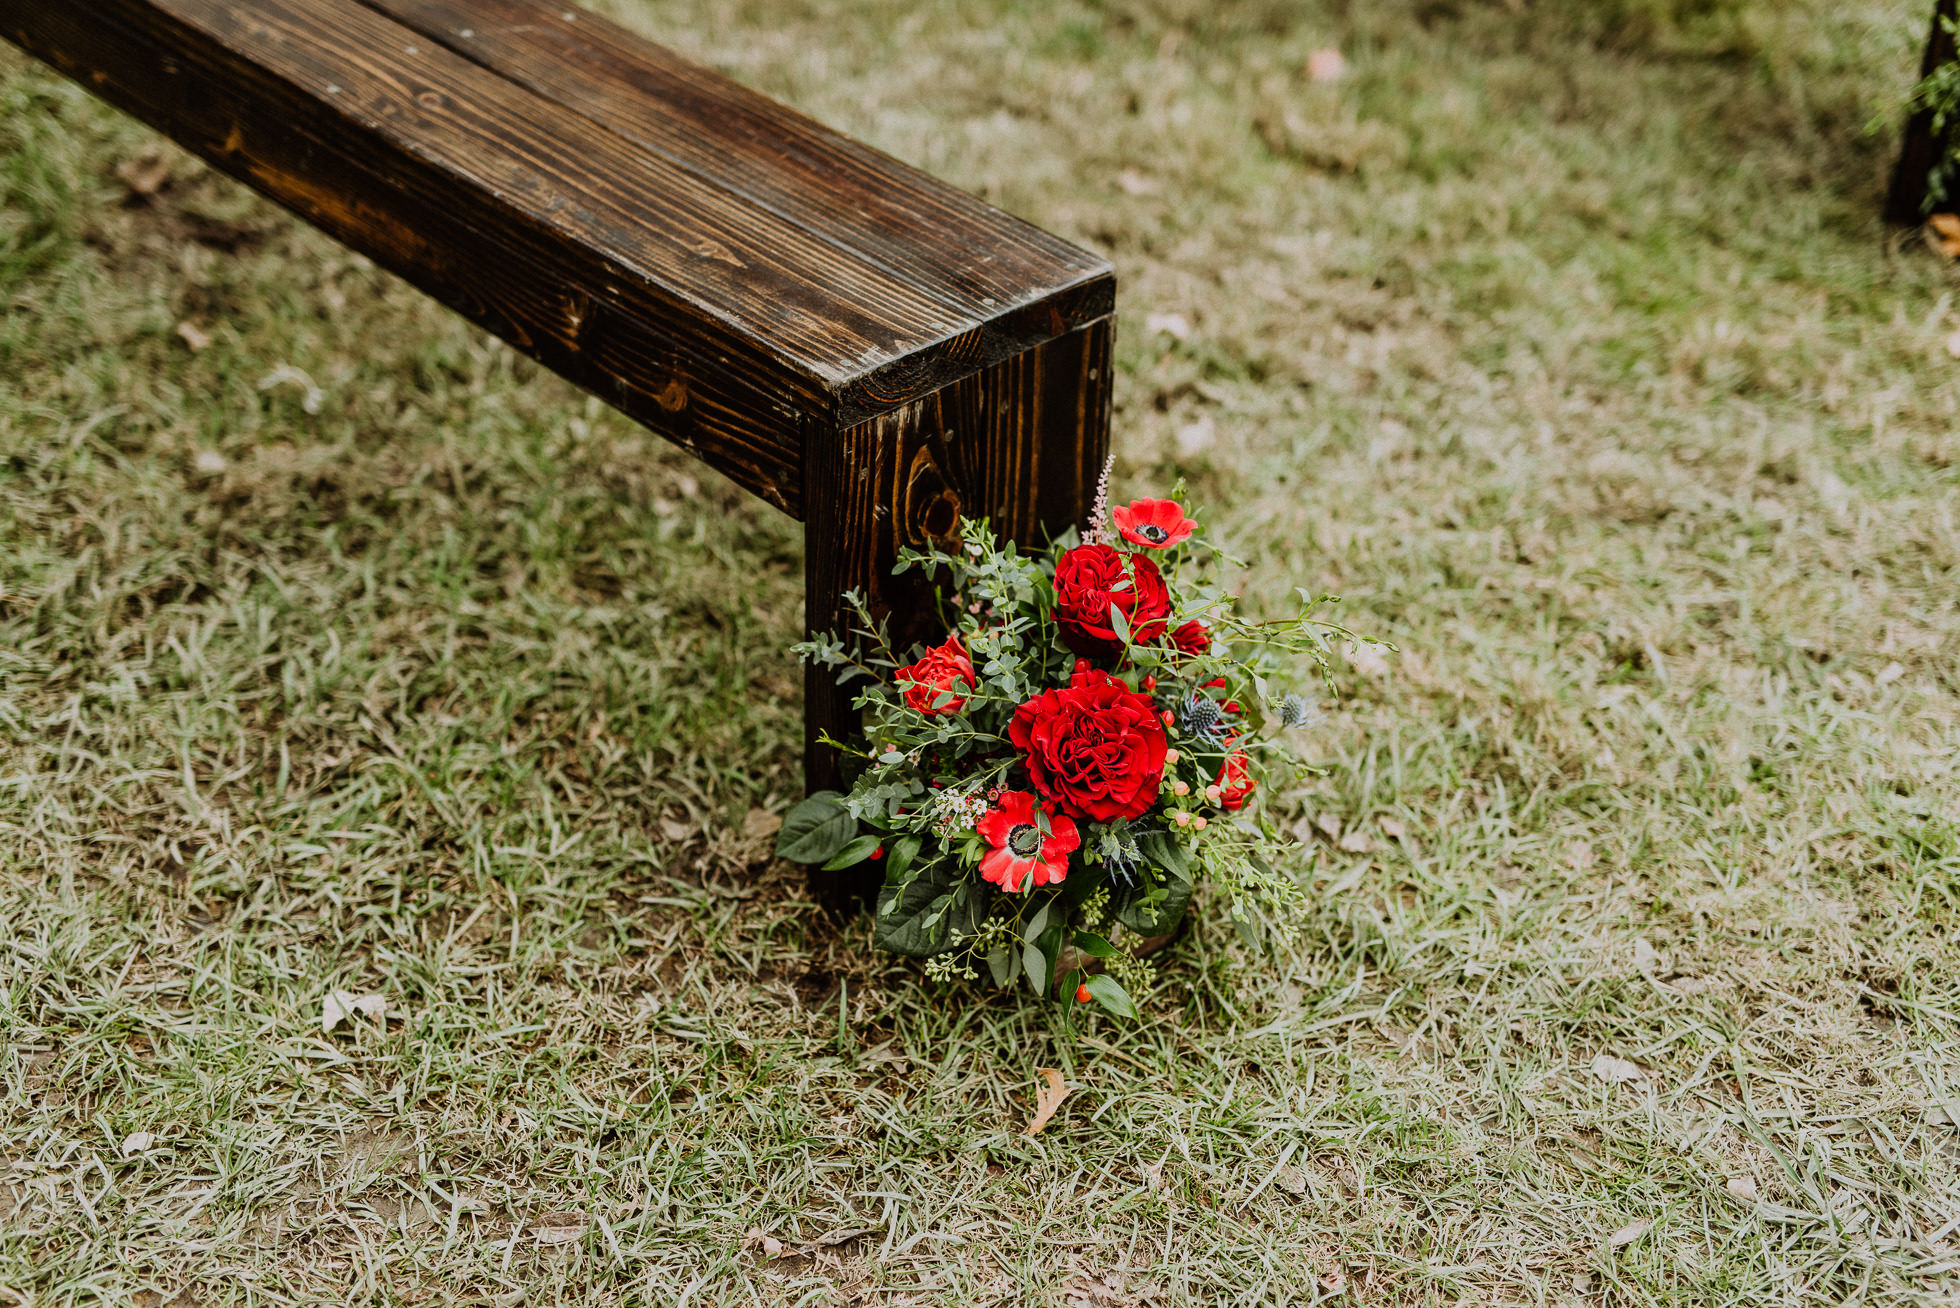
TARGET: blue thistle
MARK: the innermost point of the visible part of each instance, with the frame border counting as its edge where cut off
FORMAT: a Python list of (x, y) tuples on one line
[(1298, 711), (1120, 851), (1201, 718)]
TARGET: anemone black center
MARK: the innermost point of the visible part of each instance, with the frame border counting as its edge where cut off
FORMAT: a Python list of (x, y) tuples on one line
[(1151, 531), (1024, 841)]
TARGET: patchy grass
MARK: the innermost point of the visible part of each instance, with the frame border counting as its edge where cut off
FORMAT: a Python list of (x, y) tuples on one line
[(1562, 341)]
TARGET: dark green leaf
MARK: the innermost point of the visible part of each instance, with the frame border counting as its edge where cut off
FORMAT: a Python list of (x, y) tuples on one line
[(1094, 945), (921, 917), (816, 829), (853, 853)]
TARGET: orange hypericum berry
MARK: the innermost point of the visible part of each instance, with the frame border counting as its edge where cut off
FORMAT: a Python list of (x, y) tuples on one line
[(1082, 994), (1171, 756), (878, 852)]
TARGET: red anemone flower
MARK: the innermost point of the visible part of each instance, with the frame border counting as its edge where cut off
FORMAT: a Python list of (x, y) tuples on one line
[(1021, 853), (1235, 782), (1154, 524)]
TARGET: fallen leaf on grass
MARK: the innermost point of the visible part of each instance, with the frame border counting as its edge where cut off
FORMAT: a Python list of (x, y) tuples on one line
[(678, 832), (193, 335), (1743, 1187), (1359, 842), (1943, 234), (209, 463), (133, 1145), (1392, 827), (1048, 1100), (1326, 66), (146, 174), (1953, 345), (771, 1246), (1330, 825), (341, 1005), (761, 823), (560, 1228), (1890, 673), (844, 1235), (1153, 1173), (1617, 1070), (1627, 1234), (1580, 854)]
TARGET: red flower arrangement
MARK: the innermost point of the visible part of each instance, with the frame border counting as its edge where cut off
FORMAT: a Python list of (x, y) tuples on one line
[(1063, 769)]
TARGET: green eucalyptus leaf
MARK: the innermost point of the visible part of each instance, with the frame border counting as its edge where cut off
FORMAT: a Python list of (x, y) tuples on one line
[(1001, 964)]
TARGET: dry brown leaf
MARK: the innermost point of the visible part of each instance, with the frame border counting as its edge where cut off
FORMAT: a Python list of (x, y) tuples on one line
[(133, 1145), (844, 1235), (761, 823), (1609, 1067), (146, 174), (1627, 1234), (1326, 66), (1049, 1099), (1359, 842), (1890, 673), (678, 832), (1330, 825), (1743, 1187), (193, 335), (341, 1006), (1943, 232), (560, 1228), (1393, 828)]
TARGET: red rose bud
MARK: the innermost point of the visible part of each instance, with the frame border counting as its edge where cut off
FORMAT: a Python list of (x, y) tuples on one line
[(1194, 637), (1235, 784), (1150, 683), (1153, 524), (937, 673), (1095, 749), (1091, 578)]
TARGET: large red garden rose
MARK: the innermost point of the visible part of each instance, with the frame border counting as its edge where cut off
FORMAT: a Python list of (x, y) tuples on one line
[(939, 671), (1090, 578), (1095, 749)]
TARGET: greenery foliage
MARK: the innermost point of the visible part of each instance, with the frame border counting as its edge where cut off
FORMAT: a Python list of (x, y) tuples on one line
[(1939, 94)]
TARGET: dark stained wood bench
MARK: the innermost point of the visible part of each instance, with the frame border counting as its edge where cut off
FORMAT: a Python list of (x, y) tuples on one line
[(870, 350)]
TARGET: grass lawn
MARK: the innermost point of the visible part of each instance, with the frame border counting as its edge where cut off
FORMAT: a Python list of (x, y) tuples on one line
[(1560, 338)]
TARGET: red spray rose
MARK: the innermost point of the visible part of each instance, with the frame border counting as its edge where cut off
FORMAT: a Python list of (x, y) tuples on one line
[(1153, 524), (1235, 783), (1090, 578), (1020, 851), (1194, 637), (939, 671), (1095, 749)]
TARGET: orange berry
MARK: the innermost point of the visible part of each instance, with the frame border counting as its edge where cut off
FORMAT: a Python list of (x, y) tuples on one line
[(878, 852), (1082, 994)]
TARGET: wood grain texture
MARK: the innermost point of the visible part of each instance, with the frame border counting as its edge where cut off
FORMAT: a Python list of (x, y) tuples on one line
[(1920, 149), (726, 323), (1020, 443), (1015, 284)]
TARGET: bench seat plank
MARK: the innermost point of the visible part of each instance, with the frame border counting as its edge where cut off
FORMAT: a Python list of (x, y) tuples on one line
[(987, 265)]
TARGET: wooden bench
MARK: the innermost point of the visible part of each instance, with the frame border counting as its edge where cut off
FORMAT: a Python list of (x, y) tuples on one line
[(870, 350)]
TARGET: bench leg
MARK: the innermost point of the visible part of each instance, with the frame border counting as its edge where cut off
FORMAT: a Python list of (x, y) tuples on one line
[(1919, 149), (1020, 443)]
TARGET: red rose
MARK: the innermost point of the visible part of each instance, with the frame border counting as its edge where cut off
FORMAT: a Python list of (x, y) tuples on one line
[(1153, 524), (936, 674), (1235, 783), (1090, 578), (1194, 637), (1095, 749)]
